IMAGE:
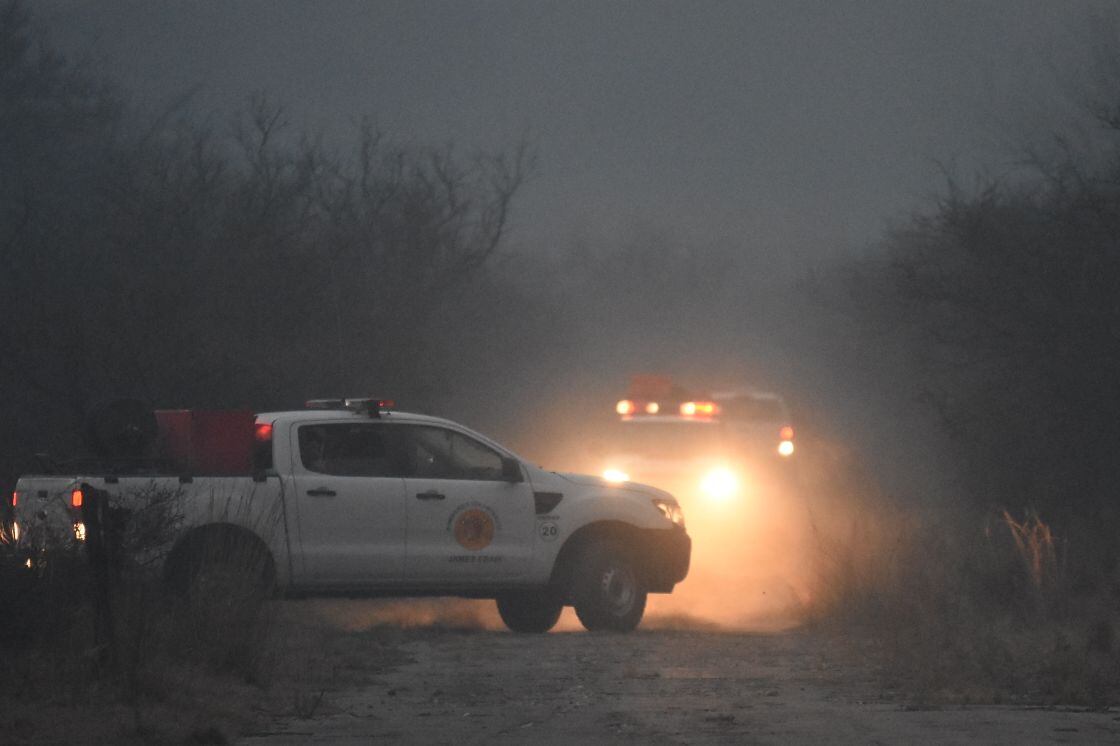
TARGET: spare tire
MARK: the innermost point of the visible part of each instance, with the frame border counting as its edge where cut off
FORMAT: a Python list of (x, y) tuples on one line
[(121, 429)]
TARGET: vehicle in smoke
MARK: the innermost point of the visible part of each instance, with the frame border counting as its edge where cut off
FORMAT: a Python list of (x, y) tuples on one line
[(703, 446), (729, 457), (350, 497)]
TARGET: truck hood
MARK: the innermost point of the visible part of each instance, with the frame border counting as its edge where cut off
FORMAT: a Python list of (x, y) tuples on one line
[(587, 480)]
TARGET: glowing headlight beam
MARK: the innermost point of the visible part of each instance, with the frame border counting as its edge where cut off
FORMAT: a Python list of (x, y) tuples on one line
[(720, 484)]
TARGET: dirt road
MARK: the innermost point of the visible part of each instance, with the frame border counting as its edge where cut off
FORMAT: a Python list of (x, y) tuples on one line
[(659, 685)]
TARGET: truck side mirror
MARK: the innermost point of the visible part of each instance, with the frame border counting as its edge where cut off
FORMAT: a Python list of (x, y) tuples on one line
[(511, 470)]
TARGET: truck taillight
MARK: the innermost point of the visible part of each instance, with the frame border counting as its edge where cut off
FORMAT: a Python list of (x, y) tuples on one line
[(699, 409), (76, 498), (262, 447)]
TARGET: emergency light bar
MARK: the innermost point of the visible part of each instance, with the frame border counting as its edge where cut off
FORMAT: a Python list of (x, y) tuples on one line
[(699, 409), (371, 407)]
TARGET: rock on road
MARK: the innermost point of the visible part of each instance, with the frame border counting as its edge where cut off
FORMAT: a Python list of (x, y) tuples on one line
[(653, 686)]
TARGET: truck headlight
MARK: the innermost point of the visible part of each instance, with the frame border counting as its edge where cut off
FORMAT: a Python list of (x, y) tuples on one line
[(720, 484), (671, 510)]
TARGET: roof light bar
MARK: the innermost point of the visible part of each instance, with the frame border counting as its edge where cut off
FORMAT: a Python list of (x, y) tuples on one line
[(370, 406), (699, 409)]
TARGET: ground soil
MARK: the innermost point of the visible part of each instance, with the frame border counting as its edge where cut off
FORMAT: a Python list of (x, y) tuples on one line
[(433, 676)]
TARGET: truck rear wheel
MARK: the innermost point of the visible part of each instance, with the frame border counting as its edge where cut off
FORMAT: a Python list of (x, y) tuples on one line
[(223, 564), (608, 590), (530, 611)]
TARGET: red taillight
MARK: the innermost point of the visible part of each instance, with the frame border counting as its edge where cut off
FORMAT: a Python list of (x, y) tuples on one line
[(263, 432), (786, 433), (699, 409), (76, 498), (15, 499)]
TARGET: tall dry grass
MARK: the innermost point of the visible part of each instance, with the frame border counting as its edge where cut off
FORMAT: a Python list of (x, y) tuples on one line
[(981, 610), (162, 668)]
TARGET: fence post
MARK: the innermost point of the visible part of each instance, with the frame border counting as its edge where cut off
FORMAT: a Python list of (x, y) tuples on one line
[(100, 552)]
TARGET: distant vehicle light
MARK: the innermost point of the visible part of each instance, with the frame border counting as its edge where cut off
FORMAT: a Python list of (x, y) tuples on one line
[(624, 407), (15, 499), (786, 433), (653, 408), (15, 532), (76, 498), (785, 448), (80, 531), (699, 409), (720, 484), (615, 476)]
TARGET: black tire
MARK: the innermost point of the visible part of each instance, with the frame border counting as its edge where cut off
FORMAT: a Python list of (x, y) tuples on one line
[(533, 612), (221, 564), (608, 590)]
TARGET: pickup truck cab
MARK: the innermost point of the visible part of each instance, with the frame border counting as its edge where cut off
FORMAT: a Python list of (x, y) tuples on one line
[(349, 498)]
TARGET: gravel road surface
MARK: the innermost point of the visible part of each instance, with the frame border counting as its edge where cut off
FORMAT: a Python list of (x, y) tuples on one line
[(656, 686)]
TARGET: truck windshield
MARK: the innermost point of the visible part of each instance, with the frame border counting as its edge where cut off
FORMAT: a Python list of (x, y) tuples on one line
[(752, 409), (667, 439)]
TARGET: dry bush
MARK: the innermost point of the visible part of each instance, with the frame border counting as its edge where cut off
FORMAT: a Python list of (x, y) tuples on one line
[(161, 667), (970, 613)]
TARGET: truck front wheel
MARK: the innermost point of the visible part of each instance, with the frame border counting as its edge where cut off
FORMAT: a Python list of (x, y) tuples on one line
[(530, 611), (608, 590)]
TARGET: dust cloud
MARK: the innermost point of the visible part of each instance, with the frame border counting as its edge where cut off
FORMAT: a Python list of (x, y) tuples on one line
[(358, 615)]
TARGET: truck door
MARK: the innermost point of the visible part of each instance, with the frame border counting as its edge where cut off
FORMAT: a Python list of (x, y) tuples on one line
[(350, 504), (465, 524)]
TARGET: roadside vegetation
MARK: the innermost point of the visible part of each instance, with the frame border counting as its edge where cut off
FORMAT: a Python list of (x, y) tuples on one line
[(992, 316), (240, 264)]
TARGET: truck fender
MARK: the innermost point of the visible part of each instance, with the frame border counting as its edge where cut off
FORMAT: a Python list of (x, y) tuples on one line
[(227, 542), (619, 534)]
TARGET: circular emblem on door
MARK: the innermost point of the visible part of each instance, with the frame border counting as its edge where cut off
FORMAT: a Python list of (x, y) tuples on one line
[(474, 529)]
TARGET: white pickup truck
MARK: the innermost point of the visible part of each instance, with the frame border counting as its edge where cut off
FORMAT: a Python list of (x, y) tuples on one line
[(349, 498)]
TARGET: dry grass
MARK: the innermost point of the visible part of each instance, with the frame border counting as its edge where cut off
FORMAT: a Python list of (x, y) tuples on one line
[(967, 614), (168, 669), (178, 689)]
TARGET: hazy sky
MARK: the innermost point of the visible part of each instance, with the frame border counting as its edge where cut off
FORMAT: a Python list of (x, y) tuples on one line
[(792, 129)]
